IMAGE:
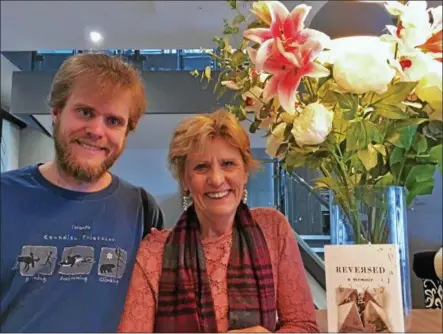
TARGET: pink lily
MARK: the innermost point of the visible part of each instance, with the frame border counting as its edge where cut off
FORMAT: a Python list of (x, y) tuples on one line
[(285, 26), (287, 73)]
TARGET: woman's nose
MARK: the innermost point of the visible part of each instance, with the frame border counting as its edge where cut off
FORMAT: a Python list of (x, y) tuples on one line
[(216, 177)]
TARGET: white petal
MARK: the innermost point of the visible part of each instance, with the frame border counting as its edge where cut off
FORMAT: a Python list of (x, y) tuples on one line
[(318, 71)]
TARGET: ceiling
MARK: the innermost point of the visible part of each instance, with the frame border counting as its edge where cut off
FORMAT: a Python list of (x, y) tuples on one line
[(36, 25), (56, 25), (154, 131)]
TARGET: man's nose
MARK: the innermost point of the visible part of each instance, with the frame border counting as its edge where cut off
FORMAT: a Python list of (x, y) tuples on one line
[(96, 127)]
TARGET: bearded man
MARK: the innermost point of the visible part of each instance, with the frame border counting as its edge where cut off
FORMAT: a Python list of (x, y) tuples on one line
[(70, 229)]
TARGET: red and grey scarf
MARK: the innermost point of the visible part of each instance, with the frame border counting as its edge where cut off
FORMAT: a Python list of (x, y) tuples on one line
[(185, 302)]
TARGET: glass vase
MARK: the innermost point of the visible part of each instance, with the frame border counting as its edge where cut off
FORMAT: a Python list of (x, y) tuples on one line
[(374, 215)]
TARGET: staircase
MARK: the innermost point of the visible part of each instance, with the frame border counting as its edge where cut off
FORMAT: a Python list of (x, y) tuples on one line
[(317, 243)]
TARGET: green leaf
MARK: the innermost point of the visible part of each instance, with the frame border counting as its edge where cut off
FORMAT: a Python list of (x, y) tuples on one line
[(395, 93), (422, 188), (372, 131), (386, 180), (339, 125), (357, 164), (381, 149), (420, 144), (238, 58), (329, 98), (256, 24), (238, 19), (356, 137), (360, 134), (390, 112), (368, 157), (410, 121), (228, 30), (233, 4), (208, 72), (326, 182), (436, 154), (221, 92), (419, 174), (349, 104), (396, 156), (401, 136), (295, 160), (254, 126)]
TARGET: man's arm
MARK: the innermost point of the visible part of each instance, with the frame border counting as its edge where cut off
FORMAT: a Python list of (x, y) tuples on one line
[(152, 213)]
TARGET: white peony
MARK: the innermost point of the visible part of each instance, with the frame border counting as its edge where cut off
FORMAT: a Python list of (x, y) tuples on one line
[(429, 89), (359, 73), (313, 125), (274, 141)]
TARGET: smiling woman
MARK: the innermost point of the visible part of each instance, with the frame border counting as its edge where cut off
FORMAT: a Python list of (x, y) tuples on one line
[(225, 260)]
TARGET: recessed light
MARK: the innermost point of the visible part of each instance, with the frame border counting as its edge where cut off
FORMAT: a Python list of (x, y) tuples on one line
[(95, 36)]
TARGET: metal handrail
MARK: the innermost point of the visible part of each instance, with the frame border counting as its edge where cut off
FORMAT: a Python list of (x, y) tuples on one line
[(308, 187)]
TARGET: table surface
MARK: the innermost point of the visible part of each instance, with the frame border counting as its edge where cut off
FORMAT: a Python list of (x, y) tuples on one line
[(423, 321)]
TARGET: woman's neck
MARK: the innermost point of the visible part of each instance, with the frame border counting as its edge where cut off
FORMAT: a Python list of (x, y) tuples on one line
[(213, 227)]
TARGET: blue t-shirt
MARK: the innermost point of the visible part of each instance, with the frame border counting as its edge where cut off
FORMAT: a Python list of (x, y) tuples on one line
[(66, 256)]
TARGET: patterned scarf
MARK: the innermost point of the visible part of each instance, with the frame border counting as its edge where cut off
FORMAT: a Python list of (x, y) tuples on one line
[(185, 302)]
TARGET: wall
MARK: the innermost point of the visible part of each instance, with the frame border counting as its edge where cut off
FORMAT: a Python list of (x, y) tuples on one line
[(10, 146), (148, 168), (35, 147)]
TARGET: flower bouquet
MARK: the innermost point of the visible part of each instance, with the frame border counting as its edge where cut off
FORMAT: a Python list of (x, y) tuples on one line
[(366, 110)]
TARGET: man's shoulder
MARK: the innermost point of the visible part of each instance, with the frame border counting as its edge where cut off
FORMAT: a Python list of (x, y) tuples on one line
[(126, 186), (16, 176)]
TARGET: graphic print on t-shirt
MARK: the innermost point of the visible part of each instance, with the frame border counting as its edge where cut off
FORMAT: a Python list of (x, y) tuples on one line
[(35, 260), (112, 262), (77, 260)]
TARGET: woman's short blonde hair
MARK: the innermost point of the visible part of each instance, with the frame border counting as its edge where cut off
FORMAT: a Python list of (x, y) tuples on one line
[(110, 74), (193, 133)]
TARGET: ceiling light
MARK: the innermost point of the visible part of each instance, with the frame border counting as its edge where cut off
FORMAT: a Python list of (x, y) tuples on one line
[(95, 36)]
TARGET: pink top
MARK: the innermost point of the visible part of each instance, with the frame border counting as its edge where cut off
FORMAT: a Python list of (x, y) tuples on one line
[(294, 301)]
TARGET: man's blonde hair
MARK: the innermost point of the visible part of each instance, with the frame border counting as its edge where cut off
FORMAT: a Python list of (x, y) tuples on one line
[(194, 132), (111, 74)]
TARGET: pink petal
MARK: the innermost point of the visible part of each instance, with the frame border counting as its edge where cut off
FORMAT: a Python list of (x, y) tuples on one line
[(317, 36), (271, 88), (295, 21), (263, 53), (287, 90), (252, 53), (258, 35), (309, 51), (279, 13), (291, 57), (273, 66)]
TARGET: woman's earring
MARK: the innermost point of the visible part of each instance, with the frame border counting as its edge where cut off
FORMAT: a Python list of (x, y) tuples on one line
[(187, 201), (245, 197)]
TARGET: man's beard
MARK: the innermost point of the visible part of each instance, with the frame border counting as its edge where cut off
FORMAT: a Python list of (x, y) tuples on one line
[(67, 161)]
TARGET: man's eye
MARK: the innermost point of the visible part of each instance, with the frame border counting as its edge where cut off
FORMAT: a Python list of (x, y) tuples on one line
[(85, 112)]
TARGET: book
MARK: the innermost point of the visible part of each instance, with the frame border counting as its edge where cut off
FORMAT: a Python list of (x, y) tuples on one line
[(363, 289)]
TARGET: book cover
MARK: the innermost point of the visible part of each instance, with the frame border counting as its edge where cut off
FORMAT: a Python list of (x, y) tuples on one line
[(363, 289)]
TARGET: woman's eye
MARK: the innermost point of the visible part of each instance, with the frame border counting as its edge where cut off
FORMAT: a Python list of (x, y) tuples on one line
[(114, 121), (200, 167), (228, 163)]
